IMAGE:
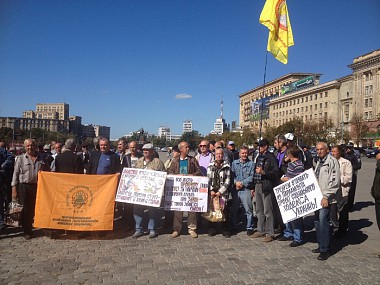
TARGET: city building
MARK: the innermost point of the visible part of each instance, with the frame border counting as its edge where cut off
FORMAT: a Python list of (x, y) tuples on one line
[(187, 126), (220, 125), (163, 131), (254, 103)]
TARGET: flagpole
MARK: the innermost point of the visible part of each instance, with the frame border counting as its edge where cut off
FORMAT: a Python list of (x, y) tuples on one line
[(262, 99)]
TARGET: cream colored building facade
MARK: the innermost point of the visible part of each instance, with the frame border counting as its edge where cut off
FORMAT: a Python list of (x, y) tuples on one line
[(357, 93), (270, 89)]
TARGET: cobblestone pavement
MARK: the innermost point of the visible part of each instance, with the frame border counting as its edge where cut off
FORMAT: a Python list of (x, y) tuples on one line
[(118, 259)]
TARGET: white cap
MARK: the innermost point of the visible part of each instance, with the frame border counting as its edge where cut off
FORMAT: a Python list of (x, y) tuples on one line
[(289, 136)]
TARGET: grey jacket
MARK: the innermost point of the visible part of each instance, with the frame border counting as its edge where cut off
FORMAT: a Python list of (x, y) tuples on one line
[(329, 177)]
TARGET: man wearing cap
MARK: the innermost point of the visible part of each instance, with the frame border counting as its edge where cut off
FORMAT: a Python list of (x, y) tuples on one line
[(204, 157), (356, 166), (232, 148), (104, 161), (241, 176), (328, 174), (265, 178), (148, 161), (184, 165)]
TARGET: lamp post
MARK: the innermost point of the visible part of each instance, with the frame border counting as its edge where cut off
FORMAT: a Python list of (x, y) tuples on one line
[(342, 123)]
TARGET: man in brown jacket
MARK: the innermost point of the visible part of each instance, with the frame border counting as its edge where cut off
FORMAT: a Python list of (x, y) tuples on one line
[(184, 165)]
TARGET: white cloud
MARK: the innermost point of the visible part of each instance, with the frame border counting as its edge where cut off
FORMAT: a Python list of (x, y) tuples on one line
[(183, 96)]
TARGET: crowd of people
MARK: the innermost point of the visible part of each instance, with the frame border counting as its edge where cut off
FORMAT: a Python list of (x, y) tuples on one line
[(239, 180)]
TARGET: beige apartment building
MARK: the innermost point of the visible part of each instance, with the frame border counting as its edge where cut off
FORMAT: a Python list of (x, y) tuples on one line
[(299, 95)]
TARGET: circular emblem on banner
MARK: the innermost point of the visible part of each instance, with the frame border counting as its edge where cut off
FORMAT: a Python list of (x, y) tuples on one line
[(79, 197)]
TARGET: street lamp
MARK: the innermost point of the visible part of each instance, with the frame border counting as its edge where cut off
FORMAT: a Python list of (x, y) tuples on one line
[(342, 123)]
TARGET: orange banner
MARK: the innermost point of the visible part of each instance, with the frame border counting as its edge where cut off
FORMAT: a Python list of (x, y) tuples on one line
[(75, 202)]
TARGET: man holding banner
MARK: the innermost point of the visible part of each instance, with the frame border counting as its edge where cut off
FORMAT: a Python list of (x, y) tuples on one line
[(148, 161), (185, 165), (328, 175)]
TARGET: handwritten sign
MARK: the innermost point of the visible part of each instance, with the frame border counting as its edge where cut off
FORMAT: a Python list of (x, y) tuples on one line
[(141, 186), (186, 193), (298, 196)]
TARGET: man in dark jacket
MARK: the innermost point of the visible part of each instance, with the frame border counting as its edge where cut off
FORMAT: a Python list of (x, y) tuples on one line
[(104, 161), (68, 161), (375, 190), (356, 165), (265, 177)]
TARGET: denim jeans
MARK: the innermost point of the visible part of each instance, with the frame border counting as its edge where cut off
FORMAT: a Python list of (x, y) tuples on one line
[(243, 196), (294, 229), (322, 227), (138, 214)]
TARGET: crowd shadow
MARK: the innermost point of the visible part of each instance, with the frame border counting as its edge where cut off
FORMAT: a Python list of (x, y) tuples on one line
[(361, 205), (354, 235)]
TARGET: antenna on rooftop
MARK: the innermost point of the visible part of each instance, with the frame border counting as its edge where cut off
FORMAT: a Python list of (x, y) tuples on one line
[(221, 109)]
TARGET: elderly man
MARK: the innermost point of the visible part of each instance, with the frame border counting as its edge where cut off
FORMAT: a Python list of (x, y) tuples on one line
[(328, 175), (265, 178), (231, 147), (68, 161), (148, 161), (184, 165), (242, 176), (104, 161), (132, 157), (24, 183), (205, 156), (122, 150)]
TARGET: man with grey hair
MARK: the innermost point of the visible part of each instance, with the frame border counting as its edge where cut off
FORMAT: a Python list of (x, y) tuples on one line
[(328, 175), (24, 183), (104, 161), (68, 161), (184, 165)]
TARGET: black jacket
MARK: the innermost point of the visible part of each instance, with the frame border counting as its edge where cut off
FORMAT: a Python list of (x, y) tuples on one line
[(94, 160)]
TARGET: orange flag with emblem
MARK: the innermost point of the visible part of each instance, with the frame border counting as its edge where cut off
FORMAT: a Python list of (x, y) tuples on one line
[(75, 202)]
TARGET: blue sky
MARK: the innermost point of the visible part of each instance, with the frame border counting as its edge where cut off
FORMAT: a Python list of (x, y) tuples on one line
[(123, 63)]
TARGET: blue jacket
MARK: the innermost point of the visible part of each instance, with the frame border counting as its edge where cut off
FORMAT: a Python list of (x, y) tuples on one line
[(243, 172)]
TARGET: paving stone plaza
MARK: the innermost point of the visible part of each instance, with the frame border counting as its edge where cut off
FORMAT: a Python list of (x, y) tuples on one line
[(116, 258)]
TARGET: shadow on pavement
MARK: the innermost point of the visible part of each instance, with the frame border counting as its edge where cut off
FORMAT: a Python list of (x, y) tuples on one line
[(360, 205)]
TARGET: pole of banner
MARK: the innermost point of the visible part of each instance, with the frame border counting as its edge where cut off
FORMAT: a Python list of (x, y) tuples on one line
[(262, 98)]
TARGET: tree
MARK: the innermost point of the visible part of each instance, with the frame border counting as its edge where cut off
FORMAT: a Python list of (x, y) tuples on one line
[(6, 135), (192, 138), (359, 128)]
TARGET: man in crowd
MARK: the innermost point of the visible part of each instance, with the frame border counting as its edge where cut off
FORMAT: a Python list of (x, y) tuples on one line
[(356, 166), (68, 161), (148, 161), (131, 158), (6, 165), (242, 175), (328, 175), (104, 161), (185, 165), (57, 151), (232, 148), (122, 149), (265, 178), (24, 183), (204, 157), (85, 157), (339, 209), (227, 154)]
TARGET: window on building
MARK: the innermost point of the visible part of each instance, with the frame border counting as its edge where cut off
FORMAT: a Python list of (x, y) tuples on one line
[(326, 104), (301, 109), (320, 115), (286, 103), (290, 103), (366, 103), (348, 94), (306, 99), (298, 110), (315, 96), (302, 100), (316, 106), (366, 115), (294, 101), (320, 105), (370, 89), (286, 112), (366, 90), (311, 117), (369, 102), (325, 114), (311, 97), (320, 95), (326, 94), (306, 108), (298, 101), (370, 115)]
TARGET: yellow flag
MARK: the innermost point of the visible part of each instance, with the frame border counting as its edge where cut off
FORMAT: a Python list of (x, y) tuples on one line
[(275, 17)]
